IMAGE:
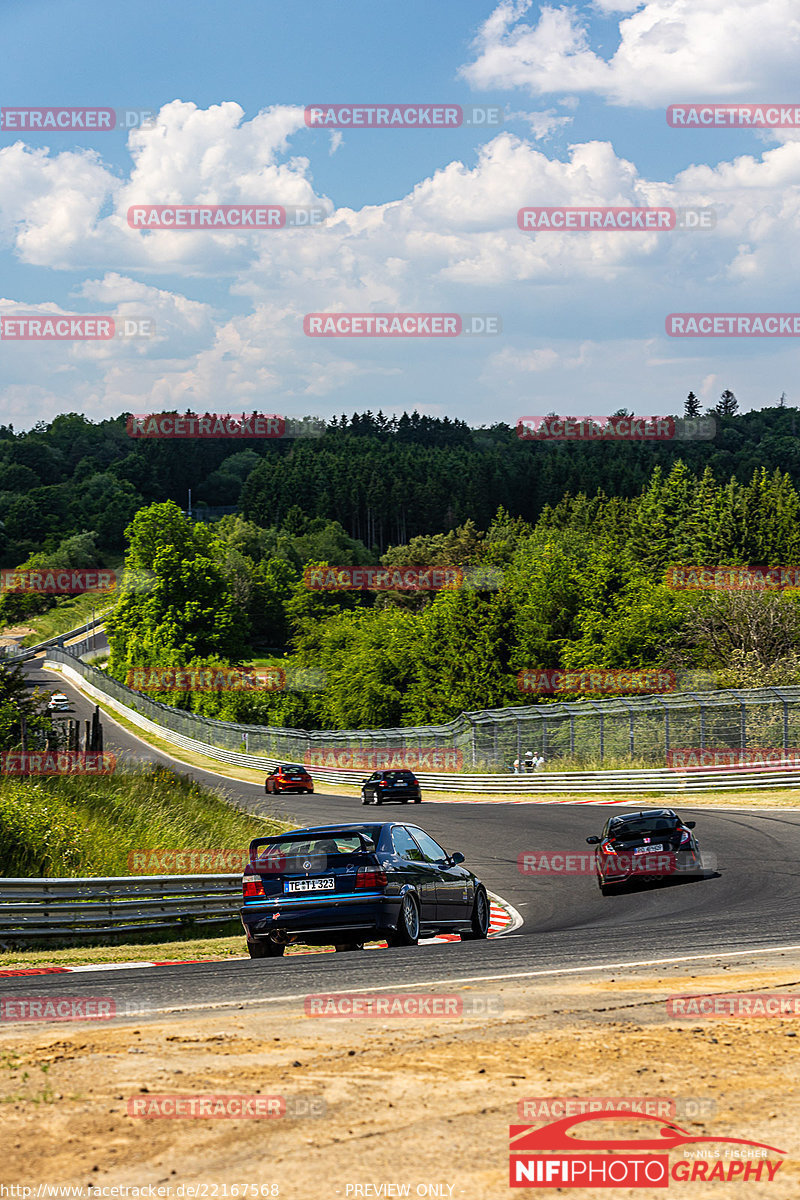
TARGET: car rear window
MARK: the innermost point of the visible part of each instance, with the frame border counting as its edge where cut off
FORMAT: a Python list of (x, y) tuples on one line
[(293, 770), (291, 848), (393, 776), (643, 826)]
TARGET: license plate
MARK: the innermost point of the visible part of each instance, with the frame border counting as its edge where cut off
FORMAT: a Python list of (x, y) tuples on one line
[(647, 849), (310, 885), (401, 783)]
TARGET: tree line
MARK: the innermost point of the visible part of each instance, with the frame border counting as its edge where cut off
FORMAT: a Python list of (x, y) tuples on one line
[(584, 586)]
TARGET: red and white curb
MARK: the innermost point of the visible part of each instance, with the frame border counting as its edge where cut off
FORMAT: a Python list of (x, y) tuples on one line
[(503, 918)]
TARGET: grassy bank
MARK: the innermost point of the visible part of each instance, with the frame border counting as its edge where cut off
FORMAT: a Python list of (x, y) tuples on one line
[(67, 614), (90, 826)]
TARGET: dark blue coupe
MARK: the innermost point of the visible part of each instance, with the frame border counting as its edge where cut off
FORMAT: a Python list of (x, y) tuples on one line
[(349, 884)]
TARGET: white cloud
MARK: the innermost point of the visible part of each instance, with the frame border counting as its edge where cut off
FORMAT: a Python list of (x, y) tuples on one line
[(450, 244), (669, 50), (543, 123)]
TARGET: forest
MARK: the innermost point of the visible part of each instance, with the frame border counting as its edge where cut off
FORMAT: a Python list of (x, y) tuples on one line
[(568, 547)]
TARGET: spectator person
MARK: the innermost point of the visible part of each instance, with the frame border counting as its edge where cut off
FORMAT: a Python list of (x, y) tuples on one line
[(515, 767), (538, 762), (528, 765)]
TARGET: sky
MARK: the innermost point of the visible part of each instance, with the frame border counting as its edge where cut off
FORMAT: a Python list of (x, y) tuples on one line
[(417, 220)]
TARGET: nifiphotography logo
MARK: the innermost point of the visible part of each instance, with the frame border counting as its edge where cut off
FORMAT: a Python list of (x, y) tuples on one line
[(577, 1161)]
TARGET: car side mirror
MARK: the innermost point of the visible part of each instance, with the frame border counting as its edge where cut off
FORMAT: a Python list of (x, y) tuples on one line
[(690, 824), (593, 841), (456, 858)]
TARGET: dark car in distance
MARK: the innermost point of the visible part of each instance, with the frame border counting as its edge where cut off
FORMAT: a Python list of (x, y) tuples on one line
[(650, 844), (349, 884), (289, 777), (382, 786)]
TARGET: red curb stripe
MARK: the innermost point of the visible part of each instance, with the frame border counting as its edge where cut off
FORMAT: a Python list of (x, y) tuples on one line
[(35, 971)]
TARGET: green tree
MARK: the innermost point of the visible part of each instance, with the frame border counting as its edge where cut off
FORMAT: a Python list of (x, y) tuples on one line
[(728, 404)]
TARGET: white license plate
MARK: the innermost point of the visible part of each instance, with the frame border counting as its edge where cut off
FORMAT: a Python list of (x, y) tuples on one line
[(401, 783), (648, 849), (310, 885)]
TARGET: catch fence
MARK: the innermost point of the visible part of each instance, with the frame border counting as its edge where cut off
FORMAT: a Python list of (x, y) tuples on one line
[(642, 729)]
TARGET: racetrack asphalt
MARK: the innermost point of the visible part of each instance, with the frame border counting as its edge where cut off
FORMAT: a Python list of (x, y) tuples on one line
[(748, 904)]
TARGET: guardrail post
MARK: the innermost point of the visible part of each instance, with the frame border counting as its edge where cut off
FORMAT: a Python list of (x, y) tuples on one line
[(666, 727)]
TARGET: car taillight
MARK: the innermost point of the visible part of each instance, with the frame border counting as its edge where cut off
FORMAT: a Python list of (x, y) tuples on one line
[(370, 877), (607, 847), (685, 836), (252, 887), (383, 783)]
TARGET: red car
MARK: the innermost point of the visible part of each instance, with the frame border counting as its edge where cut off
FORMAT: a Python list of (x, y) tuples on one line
[(289, 777)]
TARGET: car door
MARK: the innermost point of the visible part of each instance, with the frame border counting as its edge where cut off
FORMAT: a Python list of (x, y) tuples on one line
[(370, 785), (413, 869), (455, 890)]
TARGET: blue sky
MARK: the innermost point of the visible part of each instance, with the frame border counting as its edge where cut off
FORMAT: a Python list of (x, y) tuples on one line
[(424, 220)]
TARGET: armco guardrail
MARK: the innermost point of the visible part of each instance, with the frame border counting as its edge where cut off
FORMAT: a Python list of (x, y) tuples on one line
[(23, 655), (31, 909), (633, 783), (636, 728)]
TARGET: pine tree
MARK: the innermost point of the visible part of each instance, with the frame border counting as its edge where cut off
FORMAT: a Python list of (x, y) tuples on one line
[(691, 407), (728, 404)]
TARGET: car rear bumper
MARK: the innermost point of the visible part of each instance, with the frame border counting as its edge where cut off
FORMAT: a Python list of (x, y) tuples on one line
[(287, 917), (684, 862), (397, 794)]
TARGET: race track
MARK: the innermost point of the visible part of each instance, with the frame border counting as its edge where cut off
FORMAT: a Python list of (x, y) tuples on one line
[(749, 904)]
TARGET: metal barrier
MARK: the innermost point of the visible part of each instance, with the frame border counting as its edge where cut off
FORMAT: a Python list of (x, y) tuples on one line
[(632, 782), (42, 908), (643, 727), (59, 639)]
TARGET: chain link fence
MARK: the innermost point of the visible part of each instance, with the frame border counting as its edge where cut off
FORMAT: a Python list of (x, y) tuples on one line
[(642, 729)]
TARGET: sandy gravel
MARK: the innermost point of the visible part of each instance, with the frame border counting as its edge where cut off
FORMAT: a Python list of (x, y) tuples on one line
[(408, 1101)]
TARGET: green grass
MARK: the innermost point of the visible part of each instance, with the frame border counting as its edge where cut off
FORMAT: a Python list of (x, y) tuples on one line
[(84, 825), (145, 949), (68, 613), (153, 949)]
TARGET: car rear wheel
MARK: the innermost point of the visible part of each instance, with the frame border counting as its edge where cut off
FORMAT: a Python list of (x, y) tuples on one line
[(418, 800), (480, 918), (265, 948), (407, 932)]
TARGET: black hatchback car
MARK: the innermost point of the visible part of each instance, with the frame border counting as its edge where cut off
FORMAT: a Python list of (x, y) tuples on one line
[(651, 844), (347, 884), (382, 786)]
